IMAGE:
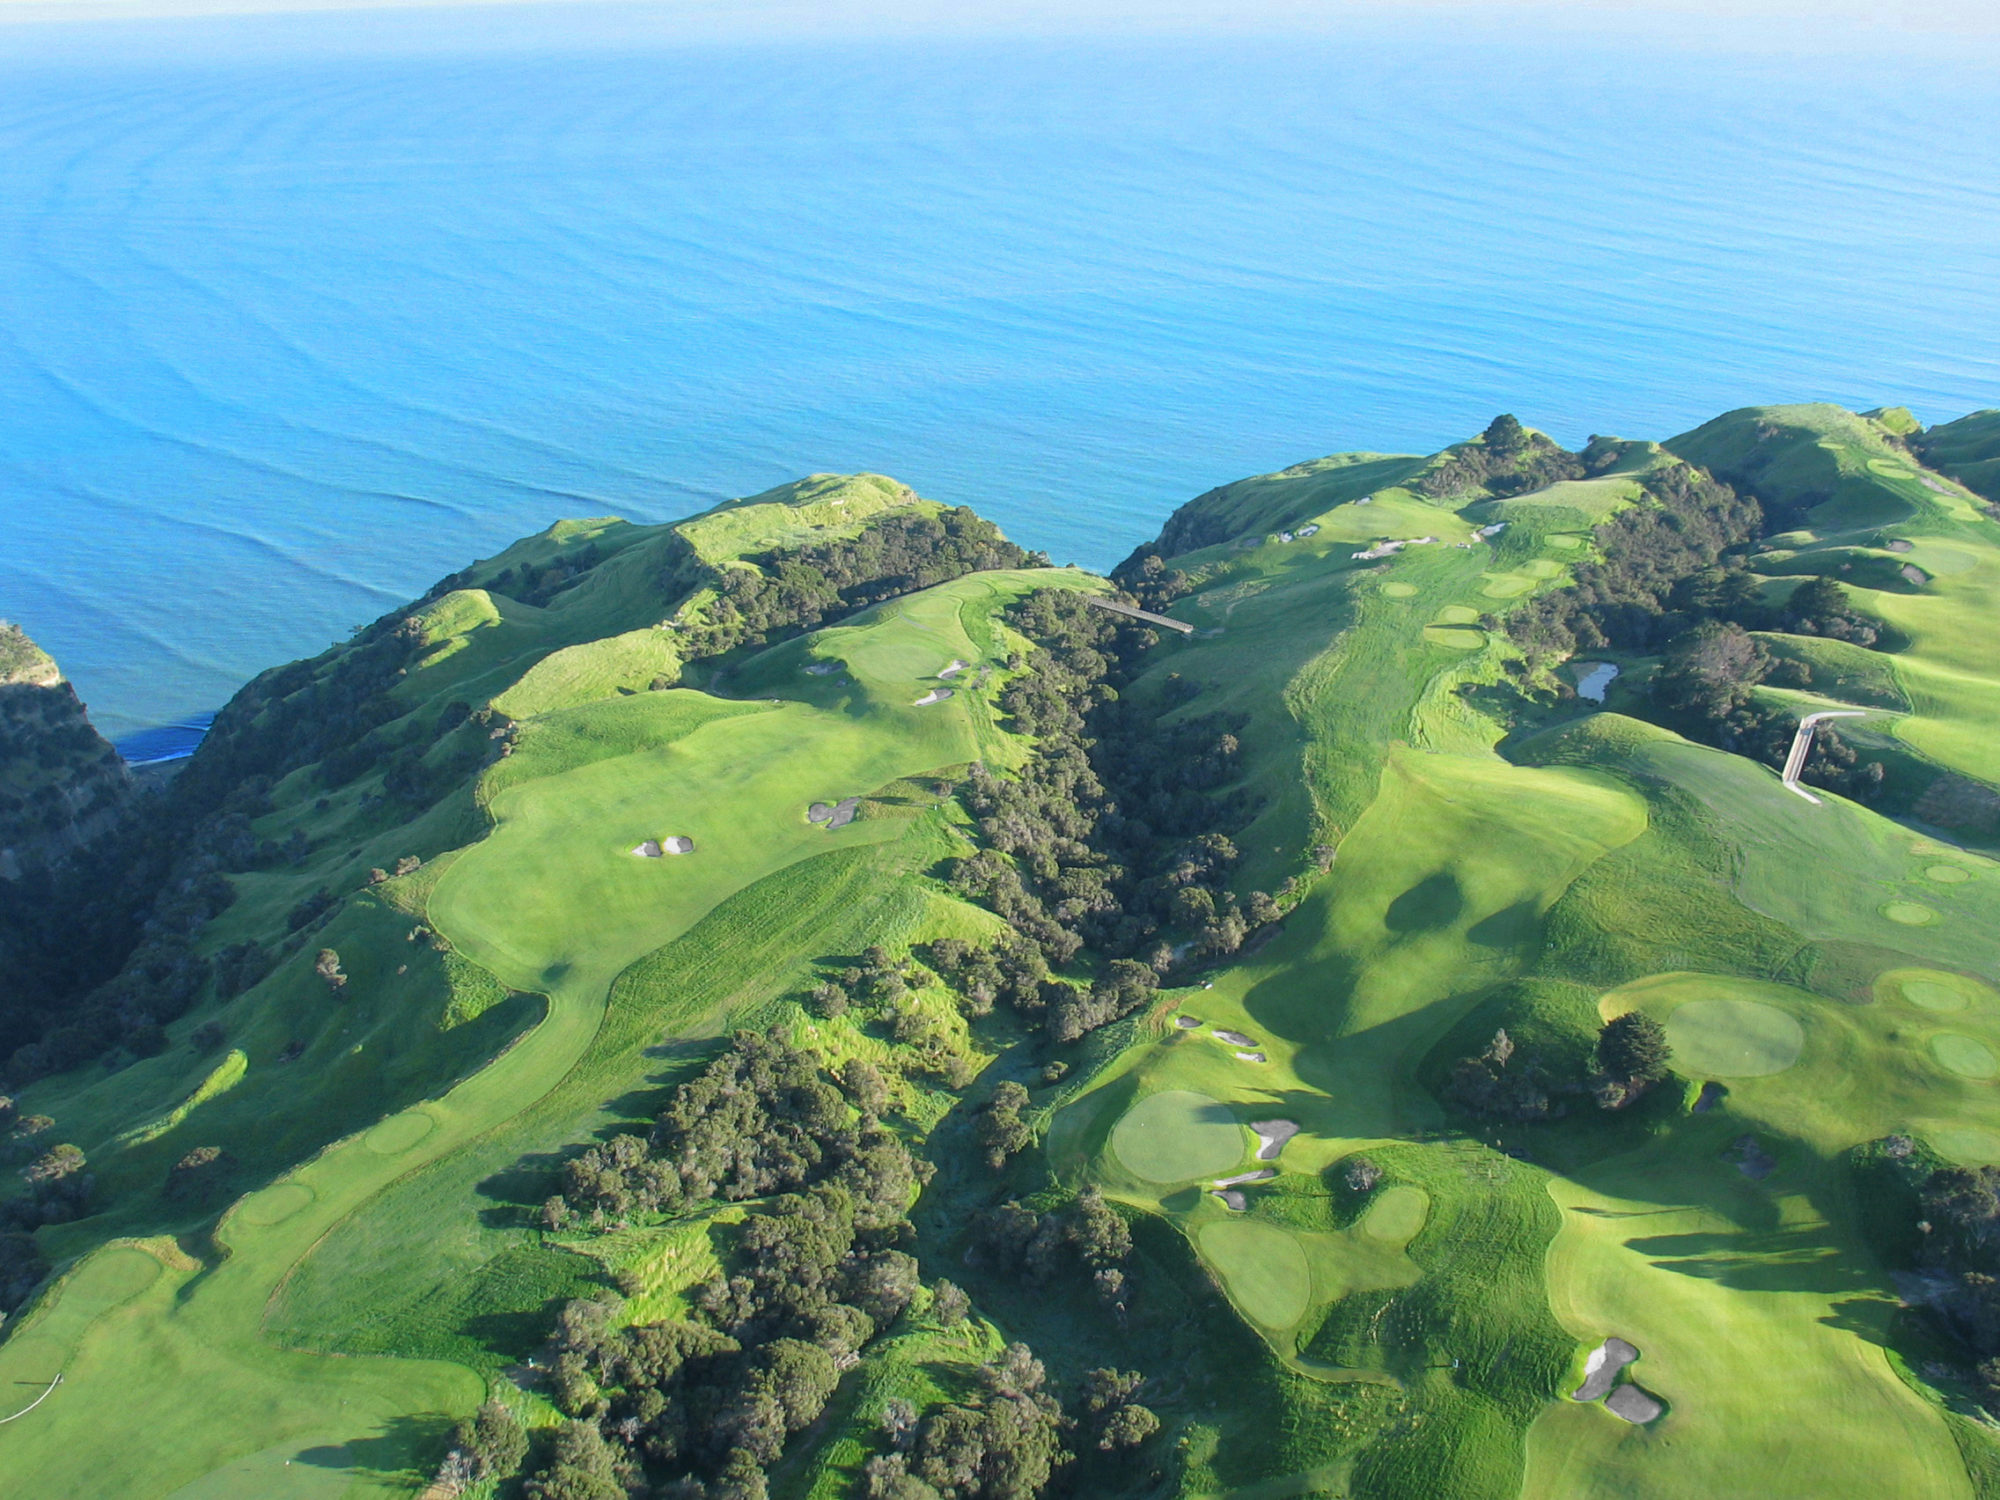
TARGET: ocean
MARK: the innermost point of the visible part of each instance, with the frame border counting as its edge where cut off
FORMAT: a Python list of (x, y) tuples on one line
[(295, 319)]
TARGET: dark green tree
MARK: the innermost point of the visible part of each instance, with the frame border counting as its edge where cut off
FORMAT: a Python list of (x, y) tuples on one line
[(1633, 1049)]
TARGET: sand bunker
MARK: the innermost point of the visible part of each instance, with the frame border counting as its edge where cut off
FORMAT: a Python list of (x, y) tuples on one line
[(1231, 1199), (648, 850), (1899, 545), (1711, 1095), (1262, 1174), (1600, 1369), (833, 814), (1235, 1038), (678, 844), (1271, 1136), (954, 669), (1186, 1023), (823, 669), (935, 695), (1252, 1056), (1634, 1405)]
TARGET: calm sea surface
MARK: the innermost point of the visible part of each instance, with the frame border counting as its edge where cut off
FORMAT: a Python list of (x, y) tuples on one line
[(285, 337)]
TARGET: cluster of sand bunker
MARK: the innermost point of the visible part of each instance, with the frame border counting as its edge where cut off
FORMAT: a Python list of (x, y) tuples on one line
[(1600, 1383), (655, 848)]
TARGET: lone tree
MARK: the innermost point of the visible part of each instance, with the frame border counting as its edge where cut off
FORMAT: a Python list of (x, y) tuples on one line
[(1633, 1049), (327, 966), (1001, 1130)]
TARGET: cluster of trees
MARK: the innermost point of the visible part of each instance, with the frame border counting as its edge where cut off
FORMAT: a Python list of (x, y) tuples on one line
[(1703, 688), (888, 991), (804, 587), (1503, 1082), (1508, 459), (1006, 1441), (1112, 837), (762, 1118), (1664, 567), (705, 1405), (1084, 1235), (1947, 1225)]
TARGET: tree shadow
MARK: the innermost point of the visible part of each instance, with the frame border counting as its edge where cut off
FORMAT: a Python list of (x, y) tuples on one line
[(1433, 902), (401, 1448)]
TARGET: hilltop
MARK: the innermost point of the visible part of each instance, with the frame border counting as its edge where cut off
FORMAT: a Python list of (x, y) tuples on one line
[(799, 1001)]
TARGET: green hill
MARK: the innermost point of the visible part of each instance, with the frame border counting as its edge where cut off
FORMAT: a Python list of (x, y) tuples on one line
[(800, 1002)]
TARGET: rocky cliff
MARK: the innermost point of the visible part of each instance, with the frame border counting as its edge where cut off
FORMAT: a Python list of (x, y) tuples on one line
[(61, 783)]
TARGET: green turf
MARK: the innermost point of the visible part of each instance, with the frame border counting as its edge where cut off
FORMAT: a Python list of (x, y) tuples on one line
[(1718, 1027), (1178, 1135), (1964, 1056), (1264, 1268)]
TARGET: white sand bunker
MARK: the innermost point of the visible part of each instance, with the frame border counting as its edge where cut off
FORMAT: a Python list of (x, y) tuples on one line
[(1634, 1405), (1601, 1367), (823, 669), (1232, 1200), (1235, 1038), (935, 695), (1262, 1174), (1186, 1023), (649, 850), (1252, 1056), (678, 844), (833, 814), (1271, 1136), (954, 669)]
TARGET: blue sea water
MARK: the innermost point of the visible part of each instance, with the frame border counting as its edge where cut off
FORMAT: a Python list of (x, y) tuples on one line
[(289, 331)]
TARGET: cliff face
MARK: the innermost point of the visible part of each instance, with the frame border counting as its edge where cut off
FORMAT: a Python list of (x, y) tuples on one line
[(61, 783)]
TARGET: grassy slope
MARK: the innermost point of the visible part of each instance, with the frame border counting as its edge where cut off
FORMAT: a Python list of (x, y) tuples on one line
[(1416, 1349), (194, 1363), (1870, 491)]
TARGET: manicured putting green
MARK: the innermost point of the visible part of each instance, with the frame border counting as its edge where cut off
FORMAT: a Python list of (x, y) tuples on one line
[(1397, 1214), (1457, 637), (398, 1133), (1563, 540), (1541, 568), (275, 1204), (1178, 1135), (1947, 874), (1964, 1144), (1458, 614), (1264, 1267), (1909, 913), (1965, 1057), (1400, 590), (1733, 1038), (1931, 989), (1507, 585)]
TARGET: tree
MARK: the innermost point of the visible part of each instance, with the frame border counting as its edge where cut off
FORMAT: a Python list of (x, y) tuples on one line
[(949, 1304), (862, 1082), (583, 1467), (1001, 1130), (54, 1165), (492, 1441), (1505, 435), (327, 966), (1633, 1049), (1127, 1427)]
